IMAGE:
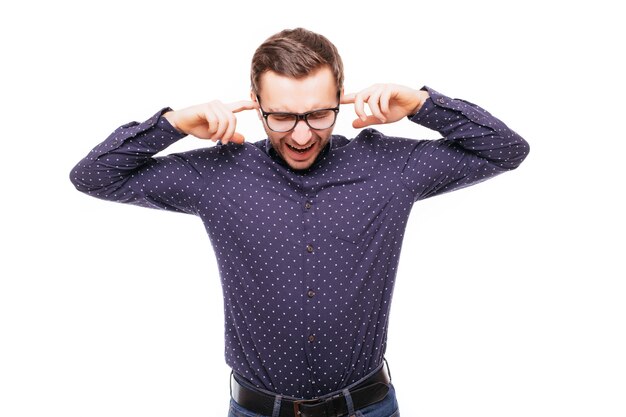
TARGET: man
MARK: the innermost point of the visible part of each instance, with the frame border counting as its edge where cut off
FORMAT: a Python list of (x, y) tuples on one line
[(306, 226)]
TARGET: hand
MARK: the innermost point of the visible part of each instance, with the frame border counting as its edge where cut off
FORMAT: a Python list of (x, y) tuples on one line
[(214, 120), (387, 102)]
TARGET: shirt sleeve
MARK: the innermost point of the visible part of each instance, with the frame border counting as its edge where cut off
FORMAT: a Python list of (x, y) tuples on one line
[(475, 146), (123, 168)]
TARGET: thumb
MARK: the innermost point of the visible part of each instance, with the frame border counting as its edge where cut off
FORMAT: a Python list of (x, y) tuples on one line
[(238, 138), (369, 120)]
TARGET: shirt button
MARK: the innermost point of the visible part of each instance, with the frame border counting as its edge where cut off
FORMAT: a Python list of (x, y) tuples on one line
[(441, 100), (309, 248), (311, 338), (308, 205), (310, 293)]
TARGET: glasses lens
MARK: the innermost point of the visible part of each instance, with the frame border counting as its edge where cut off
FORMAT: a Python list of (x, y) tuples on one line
[(322, 119), (281, 122)]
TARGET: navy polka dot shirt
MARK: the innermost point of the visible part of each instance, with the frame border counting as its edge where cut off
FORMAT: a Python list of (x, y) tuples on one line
[(307, 259)]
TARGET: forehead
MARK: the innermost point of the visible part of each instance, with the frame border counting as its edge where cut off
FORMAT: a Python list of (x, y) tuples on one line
[(281, 93)]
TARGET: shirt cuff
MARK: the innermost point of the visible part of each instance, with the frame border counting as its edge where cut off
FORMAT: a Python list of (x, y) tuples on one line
[(439, 111), (152, 135)]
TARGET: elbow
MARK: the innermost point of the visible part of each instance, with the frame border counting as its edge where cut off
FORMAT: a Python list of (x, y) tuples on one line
[(515, 151), (95, 180), (519, 152), (78, 178), (86, 178)]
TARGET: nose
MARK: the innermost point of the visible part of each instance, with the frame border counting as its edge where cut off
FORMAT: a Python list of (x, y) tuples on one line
[(301, 133)]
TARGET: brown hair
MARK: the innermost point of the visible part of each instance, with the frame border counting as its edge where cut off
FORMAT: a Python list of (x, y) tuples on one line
[(295, 53)]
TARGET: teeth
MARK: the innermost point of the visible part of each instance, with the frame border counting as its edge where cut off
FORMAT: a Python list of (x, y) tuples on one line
[(300, 149)]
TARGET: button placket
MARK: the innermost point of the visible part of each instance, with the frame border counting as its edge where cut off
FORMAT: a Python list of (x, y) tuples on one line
[(308, 213), (308, 204)]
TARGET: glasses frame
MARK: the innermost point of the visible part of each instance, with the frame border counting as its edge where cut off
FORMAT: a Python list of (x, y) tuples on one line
[(299, 116)]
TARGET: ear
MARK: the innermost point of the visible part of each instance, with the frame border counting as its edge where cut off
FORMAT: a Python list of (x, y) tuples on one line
[(253, 98)]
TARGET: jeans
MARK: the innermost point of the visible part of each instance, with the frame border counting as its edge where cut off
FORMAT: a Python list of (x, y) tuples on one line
[(388, 407)]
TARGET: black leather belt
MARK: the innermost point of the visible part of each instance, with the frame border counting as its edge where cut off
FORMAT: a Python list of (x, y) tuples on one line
[(370, 391)]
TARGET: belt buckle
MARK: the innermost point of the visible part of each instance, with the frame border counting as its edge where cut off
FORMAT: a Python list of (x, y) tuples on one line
[(296, 408), (313, 401), (296, 405)]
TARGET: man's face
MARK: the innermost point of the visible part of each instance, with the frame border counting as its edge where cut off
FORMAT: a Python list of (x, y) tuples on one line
[(298, 147)]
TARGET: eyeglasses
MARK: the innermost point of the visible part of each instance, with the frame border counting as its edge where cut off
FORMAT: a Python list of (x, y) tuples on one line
[(284, 122)]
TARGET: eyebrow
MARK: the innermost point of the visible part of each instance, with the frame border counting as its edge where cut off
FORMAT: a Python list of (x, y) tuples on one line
[(274, 110)]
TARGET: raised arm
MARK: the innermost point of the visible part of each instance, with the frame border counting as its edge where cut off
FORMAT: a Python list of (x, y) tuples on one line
[(124, 169), (475, 145)]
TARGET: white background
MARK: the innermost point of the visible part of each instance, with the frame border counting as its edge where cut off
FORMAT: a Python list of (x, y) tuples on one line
[(510, 294)]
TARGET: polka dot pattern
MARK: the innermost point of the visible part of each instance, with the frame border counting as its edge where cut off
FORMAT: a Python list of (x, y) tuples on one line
[(307, 259)]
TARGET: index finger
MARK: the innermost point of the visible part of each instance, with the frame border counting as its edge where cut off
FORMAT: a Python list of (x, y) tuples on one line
[(348, 98), (238, 106)]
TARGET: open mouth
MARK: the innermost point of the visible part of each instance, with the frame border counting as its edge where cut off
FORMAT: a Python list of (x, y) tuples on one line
[(300, 150)]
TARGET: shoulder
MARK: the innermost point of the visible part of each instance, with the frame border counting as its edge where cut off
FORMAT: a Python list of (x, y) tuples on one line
[(218, 156), (227, 151), (376, 150), (383, 143)]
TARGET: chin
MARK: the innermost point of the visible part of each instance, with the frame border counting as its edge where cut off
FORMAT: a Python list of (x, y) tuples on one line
[(300, 164)]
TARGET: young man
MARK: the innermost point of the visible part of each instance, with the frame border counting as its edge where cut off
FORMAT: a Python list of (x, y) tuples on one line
[(306, 226)]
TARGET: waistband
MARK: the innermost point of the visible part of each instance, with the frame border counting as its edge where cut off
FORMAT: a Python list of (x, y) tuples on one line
[(368, 390)]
